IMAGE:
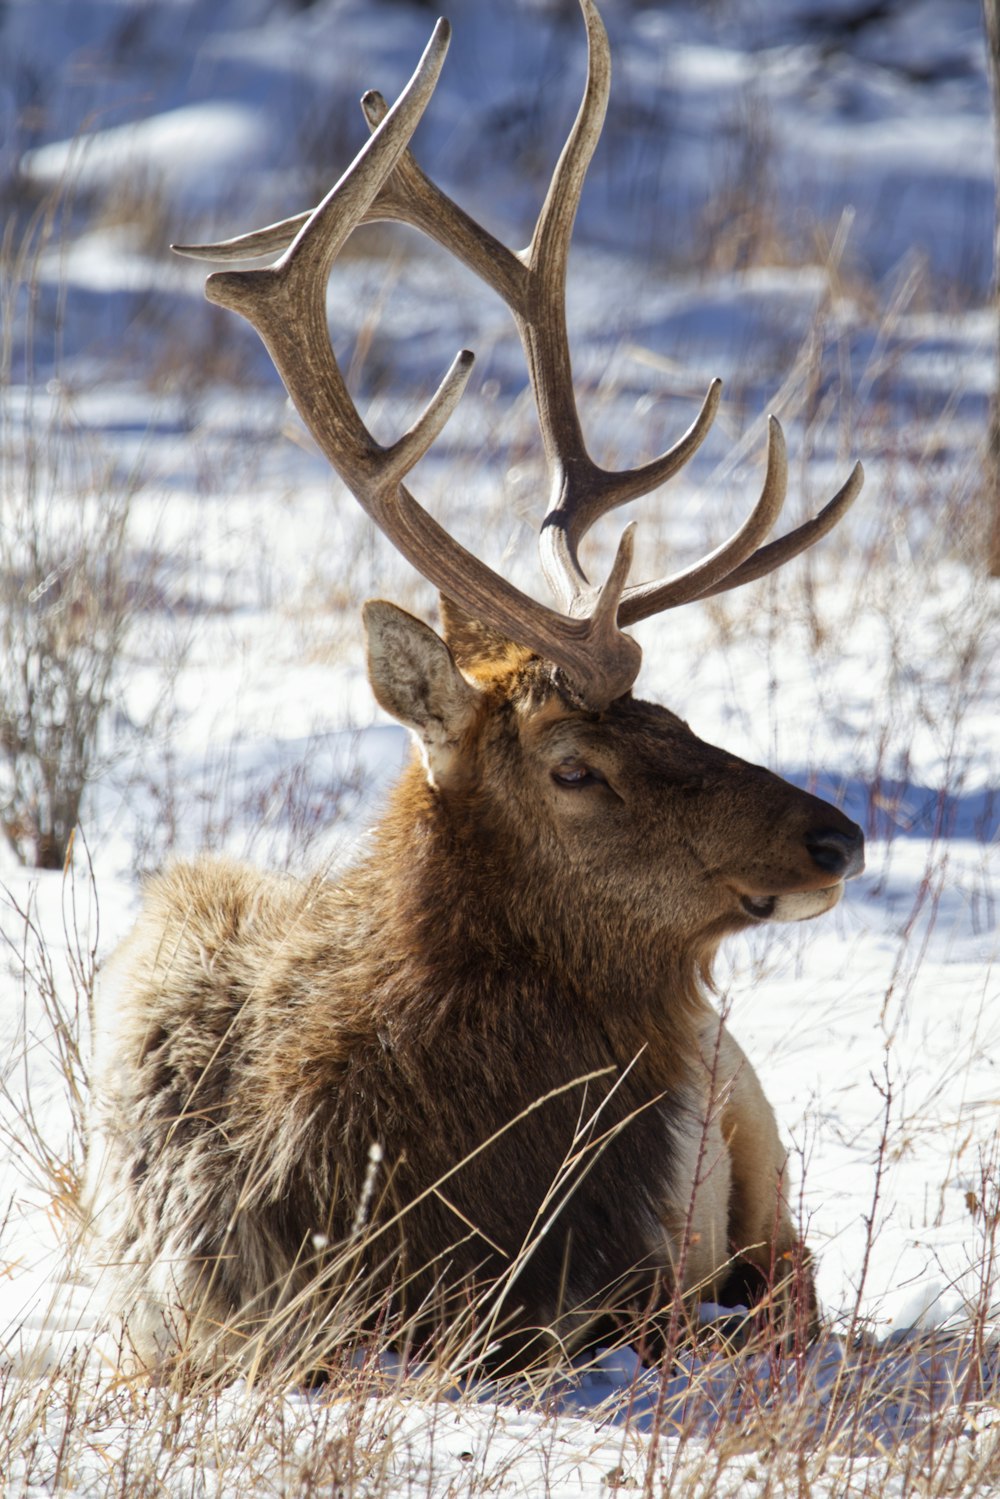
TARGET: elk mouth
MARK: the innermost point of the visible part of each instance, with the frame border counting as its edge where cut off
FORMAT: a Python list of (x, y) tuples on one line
[(760, 907), (800, 905)]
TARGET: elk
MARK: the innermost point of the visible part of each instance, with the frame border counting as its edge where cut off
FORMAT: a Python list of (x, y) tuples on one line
[(476, 1082)]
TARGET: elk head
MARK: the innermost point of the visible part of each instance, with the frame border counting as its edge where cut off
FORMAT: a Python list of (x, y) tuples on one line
[(619, 817), (542, 696)]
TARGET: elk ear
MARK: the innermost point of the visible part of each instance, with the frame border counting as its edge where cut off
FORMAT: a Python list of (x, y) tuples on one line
[(414, 677)]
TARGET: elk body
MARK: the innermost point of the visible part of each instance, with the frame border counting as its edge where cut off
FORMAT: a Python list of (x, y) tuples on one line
[(476, 1083)]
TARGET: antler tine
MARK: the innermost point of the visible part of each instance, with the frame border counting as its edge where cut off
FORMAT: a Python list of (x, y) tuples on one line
[(768, 558), (543, 318), (573, 514), (719, 572), (644, 599), (270, 240)]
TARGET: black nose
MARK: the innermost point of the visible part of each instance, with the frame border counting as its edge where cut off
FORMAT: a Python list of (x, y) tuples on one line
[(840, 854)]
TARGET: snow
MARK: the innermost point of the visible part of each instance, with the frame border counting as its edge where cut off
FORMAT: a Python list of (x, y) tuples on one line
[(867, 674), (209, 141)]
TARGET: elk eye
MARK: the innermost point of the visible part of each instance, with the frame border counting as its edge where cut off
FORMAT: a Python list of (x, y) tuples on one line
[(575, 776)]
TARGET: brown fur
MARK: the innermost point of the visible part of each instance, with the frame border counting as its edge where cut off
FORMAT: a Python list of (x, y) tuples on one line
[(508, 990)]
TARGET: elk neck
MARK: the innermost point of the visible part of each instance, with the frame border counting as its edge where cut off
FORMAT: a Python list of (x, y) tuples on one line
[(478, 932)]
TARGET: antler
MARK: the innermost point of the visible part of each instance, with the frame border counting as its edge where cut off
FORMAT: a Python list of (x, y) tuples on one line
[(286, 303)]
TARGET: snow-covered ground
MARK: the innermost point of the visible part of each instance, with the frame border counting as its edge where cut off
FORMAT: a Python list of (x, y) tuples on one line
[(788, 196)]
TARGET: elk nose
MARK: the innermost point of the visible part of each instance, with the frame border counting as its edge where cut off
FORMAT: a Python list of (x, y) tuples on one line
[(837, 853)]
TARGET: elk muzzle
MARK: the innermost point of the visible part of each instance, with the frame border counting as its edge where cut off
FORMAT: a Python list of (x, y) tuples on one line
[(834, 855)]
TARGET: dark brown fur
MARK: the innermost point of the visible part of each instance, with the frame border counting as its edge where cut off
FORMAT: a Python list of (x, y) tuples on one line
[(512, 978)]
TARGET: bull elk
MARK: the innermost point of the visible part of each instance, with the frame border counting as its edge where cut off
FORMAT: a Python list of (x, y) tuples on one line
[(475, 1083)]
